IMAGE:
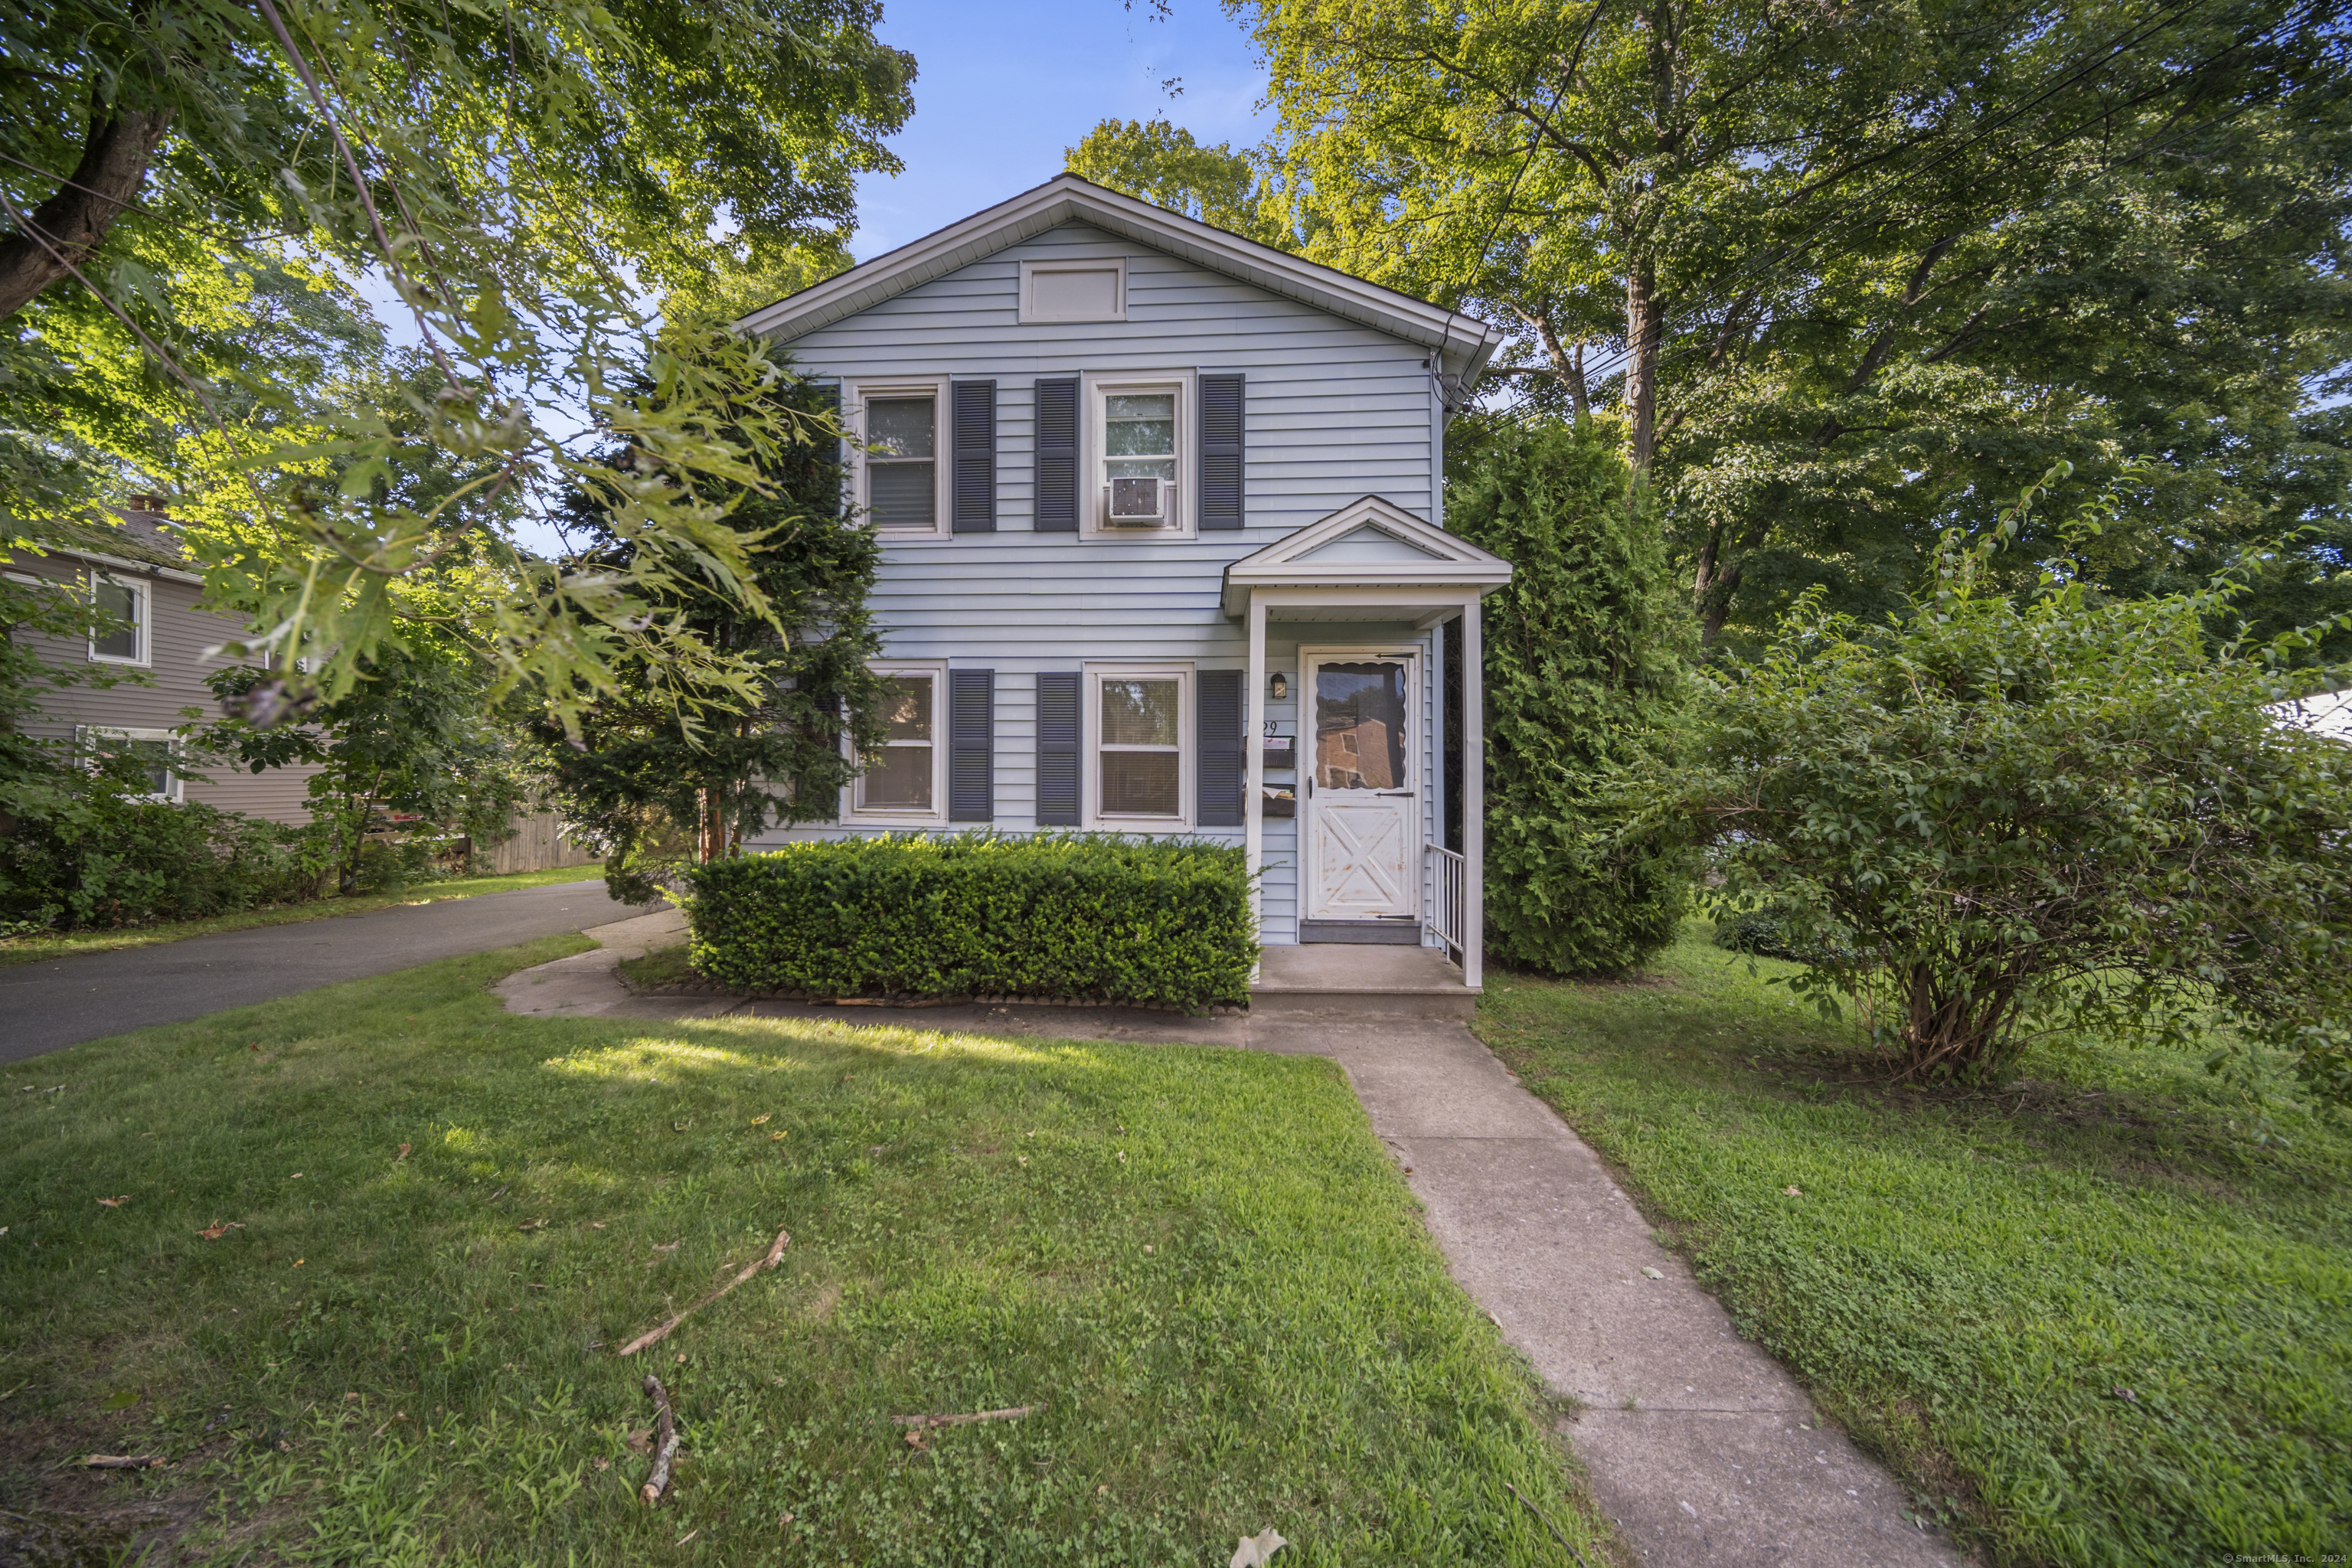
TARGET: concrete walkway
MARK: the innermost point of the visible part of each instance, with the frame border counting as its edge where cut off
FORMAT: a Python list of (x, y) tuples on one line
[(1702, 1449), (55, 1003)]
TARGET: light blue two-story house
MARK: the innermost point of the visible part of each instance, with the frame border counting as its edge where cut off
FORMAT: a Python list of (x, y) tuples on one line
[(1164, 553)]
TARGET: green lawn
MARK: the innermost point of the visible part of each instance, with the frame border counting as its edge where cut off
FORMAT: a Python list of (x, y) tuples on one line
[(2089, 1314), (59, 944), (1199, 1263)]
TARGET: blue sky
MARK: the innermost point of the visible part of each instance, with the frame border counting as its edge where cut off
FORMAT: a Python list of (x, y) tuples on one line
[(1001, 89)]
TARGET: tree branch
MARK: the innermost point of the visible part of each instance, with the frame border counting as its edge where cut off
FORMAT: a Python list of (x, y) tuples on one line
[(75, 220)]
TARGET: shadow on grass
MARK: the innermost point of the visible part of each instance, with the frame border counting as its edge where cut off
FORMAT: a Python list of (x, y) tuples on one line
[(429, 1223)]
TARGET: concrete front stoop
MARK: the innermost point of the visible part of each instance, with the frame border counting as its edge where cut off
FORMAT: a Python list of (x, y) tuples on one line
[(589, 985)]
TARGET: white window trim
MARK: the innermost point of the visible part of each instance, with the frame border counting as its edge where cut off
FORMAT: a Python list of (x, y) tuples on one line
[(1095, 385), (855, 816), (1090, 733), (86, 733), (854, 395), (143, 632), (1029, 270)]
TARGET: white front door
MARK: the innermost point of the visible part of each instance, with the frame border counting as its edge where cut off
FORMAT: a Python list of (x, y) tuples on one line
[(1363, 784)]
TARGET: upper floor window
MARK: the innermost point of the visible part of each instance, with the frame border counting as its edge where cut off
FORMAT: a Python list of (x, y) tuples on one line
[(120, 635), (1139, 438), (897, 478)]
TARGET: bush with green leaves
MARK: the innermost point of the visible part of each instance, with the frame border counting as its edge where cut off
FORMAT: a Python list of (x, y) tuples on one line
[(1583, 661), (1993, 819), (99, 854), (1098, 916)]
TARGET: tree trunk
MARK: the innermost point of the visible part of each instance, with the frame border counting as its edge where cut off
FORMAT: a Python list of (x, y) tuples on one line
[(75, 221), (1643, 333)]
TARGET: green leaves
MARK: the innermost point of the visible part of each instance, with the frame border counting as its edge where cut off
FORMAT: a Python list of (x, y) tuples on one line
[(1088, 916), (1990, 821), (524, 178), (1581, 664)]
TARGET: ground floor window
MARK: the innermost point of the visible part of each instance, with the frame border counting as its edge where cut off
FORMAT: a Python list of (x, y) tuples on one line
[(1140, 763), (155, 753), (903, 779)]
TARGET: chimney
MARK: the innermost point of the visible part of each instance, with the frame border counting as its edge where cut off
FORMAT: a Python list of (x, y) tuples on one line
[(153, 506)]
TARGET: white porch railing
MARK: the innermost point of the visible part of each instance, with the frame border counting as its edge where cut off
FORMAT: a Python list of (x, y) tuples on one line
[(1446, 872)]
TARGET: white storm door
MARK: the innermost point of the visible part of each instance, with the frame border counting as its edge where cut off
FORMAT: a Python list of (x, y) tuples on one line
[(1363, 786)]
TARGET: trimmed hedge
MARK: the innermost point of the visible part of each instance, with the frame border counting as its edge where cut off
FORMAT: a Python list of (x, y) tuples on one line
[(1095, 917)]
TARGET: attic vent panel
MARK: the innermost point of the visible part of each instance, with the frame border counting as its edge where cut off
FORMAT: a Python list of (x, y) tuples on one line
[(1074, 291)]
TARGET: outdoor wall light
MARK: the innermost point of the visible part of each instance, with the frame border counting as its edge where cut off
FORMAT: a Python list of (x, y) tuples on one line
[(1278, 687)]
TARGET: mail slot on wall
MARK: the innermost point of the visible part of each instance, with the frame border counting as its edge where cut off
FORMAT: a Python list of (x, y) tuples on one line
[(1279, 803), (1281, 750)]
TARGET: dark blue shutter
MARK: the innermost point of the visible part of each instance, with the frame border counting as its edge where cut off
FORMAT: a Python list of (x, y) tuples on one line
[(972, 745), (1219, 744), (1058, 749), (1057, 456), (833, 455), (972, 500), (1222, 399)]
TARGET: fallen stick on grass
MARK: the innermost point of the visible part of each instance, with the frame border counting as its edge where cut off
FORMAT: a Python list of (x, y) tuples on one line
[(924, 1422), (654, 1336), (1547, 1524), (665, 1445), (121, 1461)]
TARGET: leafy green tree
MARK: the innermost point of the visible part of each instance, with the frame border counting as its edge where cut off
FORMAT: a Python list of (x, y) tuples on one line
[(1161, 164), (1582, 665), (1991, 820), (1839, 274), (656, 782), (523, 176), (415, 737)]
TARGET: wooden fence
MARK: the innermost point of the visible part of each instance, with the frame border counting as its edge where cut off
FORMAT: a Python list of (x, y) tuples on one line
[(538, 845)]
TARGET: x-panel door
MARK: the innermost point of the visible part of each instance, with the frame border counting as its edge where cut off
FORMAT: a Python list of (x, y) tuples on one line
[(1363, 784)]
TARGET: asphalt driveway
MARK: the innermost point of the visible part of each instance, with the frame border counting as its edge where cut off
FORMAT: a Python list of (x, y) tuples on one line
[(47, 1007)]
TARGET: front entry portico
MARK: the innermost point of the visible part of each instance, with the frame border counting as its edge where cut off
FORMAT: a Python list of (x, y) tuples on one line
[(1373, 865)]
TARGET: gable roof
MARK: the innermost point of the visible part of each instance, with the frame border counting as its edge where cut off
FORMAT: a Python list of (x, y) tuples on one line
[(1370, 543), (1466, 343)]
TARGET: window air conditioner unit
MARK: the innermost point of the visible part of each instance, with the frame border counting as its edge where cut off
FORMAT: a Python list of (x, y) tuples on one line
[(1136, 503)]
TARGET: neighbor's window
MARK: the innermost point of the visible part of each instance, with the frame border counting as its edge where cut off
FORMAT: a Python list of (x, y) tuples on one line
[(902, 470), (1139, 747), (901, 775), (152, 752), (123, 638)]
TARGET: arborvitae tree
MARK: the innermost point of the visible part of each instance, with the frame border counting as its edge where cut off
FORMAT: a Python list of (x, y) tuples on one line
[(1583, 667)]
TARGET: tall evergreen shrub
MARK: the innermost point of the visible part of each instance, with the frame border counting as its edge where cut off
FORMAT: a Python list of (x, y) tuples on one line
[(1583, 668)]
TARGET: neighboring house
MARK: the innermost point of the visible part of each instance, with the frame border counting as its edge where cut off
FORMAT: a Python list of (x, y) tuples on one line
[(141, 579), (1148, 491)]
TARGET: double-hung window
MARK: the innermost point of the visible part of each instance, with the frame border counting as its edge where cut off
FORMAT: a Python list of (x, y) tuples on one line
[(897, 467), (1138, 433), (118, 632), (1138, 775), (904, 778), (150, 754)]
